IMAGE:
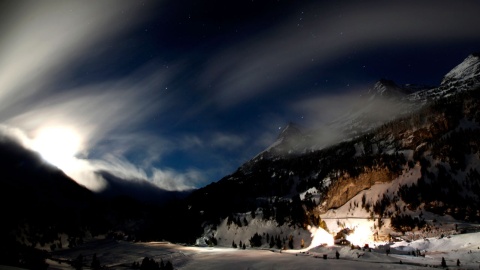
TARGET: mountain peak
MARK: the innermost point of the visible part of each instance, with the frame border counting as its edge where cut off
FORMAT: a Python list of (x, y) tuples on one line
[(386, 88), (469, 69), (289, 131), (385, 82), (290, 135)]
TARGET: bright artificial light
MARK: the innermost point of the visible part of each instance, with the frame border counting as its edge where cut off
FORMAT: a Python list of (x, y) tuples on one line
[(320, 237), (361, 236)]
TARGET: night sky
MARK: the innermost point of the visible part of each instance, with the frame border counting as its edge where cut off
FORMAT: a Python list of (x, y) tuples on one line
[(182, 92)]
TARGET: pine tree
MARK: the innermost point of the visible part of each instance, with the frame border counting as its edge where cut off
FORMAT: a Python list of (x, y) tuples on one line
[(95, 262), (278, 242), (78, 262), (444, 264), (149, 264), (290, 242), (256, 240), (169, 266)]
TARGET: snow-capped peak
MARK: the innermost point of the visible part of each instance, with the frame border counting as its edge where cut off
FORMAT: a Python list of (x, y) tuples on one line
[(468, 69)]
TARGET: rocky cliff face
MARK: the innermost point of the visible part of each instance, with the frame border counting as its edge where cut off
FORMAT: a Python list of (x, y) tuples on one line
[(347, 187)]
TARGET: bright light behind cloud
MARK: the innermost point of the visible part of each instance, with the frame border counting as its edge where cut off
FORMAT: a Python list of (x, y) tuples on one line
[(41, 43), (57, 145), (60, 146)]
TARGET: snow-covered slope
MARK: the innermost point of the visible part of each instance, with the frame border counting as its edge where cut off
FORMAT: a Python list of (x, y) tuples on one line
[(227, 233), (463, 77), (469, 69)]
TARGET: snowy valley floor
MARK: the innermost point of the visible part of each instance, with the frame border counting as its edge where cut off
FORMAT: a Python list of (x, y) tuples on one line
[(120, 255)]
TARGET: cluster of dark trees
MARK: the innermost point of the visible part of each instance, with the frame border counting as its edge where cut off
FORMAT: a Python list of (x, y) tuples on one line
[(442, 193), (472, 181), (240, 245), (405, 222), (81, 262), (453, 147), (257, 240), (278, 242), (151, 264), (23, 256), (281, 210), (240, 222)]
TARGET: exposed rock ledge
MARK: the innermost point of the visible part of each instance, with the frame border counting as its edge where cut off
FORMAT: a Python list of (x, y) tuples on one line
[(346, 187)]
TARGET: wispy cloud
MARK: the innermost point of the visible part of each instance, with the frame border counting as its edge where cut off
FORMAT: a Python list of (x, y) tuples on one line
[(227, 141), (211, 140), (170, 179), (106, 117), (336, 117), (41, 42), (190, 141), (316, 35), (40, 39), (94, 110)]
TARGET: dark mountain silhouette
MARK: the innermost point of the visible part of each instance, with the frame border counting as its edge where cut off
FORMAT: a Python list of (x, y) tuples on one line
[(138, 189), (43, 208), (37, 202)]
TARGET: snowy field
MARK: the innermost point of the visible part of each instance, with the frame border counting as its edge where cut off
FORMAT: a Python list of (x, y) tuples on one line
[(120, 255)]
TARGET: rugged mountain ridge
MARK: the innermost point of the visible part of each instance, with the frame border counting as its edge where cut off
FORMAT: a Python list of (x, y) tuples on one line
[(383, 102), (462, 77), (466, 72), (423, 163)]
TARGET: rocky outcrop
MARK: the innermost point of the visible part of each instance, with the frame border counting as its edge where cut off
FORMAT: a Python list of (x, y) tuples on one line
[(345, 188)]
